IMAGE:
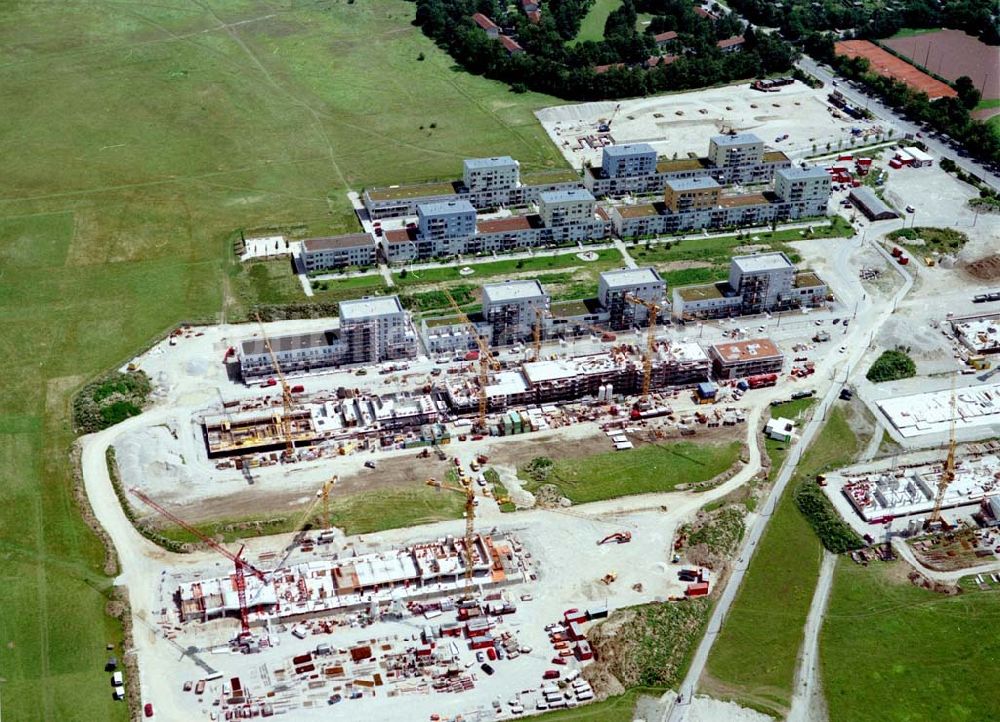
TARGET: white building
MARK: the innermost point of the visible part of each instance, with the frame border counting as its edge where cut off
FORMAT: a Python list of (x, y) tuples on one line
[(628, 161), (739, 154), (512, 308), (296, 353), (355, 249), (809, 186), (561, 208), (446, 220), (643, 283), (376, 328), (491, 179)]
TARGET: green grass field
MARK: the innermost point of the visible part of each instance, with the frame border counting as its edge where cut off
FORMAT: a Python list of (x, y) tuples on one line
[(365, 513), (909, 653), (592, 27), (645, 469), (145, 136), (785, 567)]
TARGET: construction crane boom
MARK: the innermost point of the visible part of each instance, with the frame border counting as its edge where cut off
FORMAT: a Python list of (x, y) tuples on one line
[(647, 362), (540, 313), (241, 565), (486, 359), (468, 491), (286, 395)]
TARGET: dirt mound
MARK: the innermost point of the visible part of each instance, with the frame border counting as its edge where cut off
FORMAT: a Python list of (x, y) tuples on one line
[(985, 269)]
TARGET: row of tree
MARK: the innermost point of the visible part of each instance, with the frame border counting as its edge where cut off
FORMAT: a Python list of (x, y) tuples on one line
[(551, 65), (796, 18), (950, 116)]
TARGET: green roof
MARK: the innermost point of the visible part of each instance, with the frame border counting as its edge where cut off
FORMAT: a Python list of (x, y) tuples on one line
[(411, 191), (807, 279), (666, 166), (701, 293), (543, 177), (570, 308)]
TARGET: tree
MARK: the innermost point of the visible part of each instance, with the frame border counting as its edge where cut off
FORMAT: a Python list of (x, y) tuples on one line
[(967, 92)]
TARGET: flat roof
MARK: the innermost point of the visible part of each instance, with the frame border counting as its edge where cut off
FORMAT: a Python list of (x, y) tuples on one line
[(292, 342), (738, 139), (917, 153), (422, 190), (757, 262), (545, 177), (640, 211), (512, 291), (625, 277), (511, 223), (758, 348), (692, 184), (499, 161), (445, 208), (771, 156), (745, 199), (369, 307), (628, 149), (399, 235), (567, 194), (807, 279), (351, 240), (797, 173), (666, 165), (705, 292)]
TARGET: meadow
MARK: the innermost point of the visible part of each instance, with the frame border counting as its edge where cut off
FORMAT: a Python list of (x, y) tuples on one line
[(145, 137)]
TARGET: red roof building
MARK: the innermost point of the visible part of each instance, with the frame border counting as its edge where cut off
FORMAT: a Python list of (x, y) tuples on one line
[(534, 16), (664, 38), (703, 13), (511, 45), (490, 27), (731, 45)]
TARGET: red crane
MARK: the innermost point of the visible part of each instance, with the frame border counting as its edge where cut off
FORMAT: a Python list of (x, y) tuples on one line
[(241, 566)]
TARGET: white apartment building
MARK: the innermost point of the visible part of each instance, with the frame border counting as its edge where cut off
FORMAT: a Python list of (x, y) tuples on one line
[(512, 309), (354, 249), (627, 161), (614, 287), (743, 150), (445, 220), (808, 186), (376, 328), (561, 208), (498, 174)]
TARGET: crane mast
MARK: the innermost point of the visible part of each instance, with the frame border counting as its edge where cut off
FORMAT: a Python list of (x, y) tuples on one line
[(286, 395), (486, 359), (935, 520), (467, 489), (647, 361)]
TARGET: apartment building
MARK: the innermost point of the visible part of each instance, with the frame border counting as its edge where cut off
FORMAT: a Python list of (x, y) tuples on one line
[(739, 154), (376, 328), (614, 288), (296, 353), (561, 208), (758, 283), (450, 219), (491, 180), (745, 358), (354, 249), (690, 194), (628, 161), (512, 308), (809, 187)]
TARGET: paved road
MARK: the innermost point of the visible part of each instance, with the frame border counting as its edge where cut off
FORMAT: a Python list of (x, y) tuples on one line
[(678, 712), (903, 125)]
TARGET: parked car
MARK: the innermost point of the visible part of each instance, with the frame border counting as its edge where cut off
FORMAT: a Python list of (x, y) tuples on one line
[(148, 709), (487, 668)]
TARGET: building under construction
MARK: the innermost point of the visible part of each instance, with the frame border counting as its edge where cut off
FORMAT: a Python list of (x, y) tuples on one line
[(619, 371), (911, 491), (353, 583), (358, 419)]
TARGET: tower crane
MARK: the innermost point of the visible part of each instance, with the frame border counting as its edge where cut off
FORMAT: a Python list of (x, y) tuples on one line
[(322, 495), (936, 521), (286, 395), (540, 313), (242, 567), (468, 491), (486, 359), (647, 362)]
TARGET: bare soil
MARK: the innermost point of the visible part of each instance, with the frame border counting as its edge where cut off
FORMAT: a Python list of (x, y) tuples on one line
[(952, 54), (985, 269)]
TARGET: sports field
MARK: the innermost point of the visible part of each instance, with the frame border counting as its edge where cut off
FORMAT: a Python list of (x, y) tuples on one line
[(888, 65), (137, 138), (952, 54)]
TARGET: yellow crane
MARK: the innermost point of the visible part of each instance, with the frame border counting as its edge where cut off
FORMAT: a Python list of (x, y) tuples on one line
[(486, 359), (647, 362), (468, 491), (286, 396), (936, 521), (303, 525), (540, 313)]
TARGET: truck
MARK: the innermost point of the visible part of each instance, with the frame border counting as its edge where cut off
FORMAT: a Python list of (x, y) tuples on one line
[(821, 336), (762, 380)]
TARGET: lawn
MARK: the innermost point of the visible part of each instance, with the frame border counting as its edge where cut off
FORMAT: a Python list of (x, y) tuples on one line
[(645, 469), (364, 513), (592, 27), (608, 258), (146, 136), (909, 653), (612, 709), (785, 567), (934, 240)]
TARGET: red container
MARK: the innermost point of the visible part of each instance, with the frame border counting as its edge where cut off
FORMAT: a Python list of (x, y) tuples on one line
[(699, 589)]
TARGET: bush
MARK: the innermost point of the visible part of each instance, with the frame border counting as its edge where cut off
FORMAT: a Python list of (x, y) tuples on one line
[(835, 534), (110, 400), (892, 366)]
